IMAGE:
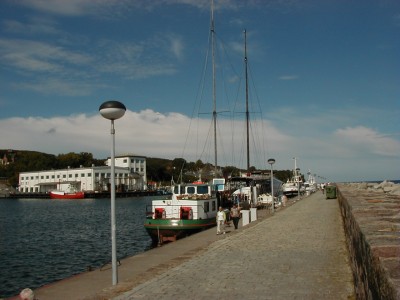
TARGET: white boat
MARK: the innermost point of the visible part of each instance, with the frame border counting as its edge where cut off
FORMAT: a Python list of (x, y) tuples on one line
[(310, 185), (192, 208), (253, 189), (294, 186)]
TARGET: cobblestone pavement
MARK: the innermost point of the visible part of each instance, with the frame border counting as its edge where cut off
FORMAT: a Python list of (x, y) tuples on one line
[(299, 253)]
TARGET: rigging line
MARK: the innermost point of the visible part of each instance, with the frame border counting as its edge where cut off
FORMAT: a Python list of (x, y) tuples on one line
[(263, 127), (199, 94), (208, 140), (228, 62)]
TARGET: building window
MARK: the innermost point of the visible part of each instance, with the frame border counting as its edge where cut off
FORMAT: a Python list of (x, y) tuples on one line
[(125, 161), (64, 176), (70, 176), (82, 175), (76, 175), (89, 174)]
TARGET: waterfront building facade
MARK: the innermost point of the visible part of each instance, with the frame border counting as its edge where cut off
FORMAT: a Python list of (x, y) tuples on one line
[(130, 175)]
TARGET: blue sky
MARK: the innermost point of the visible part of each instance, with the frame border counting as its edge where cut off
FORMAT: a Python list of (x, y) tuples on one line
[(324, 81)]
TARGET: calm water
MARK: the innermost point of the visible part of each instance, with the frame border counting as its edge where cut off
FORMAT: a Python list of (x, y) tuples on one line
[(43, 240)]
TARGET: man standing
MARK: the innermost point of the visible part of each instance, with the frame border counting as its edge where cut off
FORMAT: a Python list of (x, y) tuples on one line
[(221, 218), (235, 214)]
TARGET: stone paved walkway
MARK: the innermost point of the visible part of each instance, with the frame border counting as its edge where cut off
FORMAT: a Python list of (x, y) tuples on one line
[(299, 253)]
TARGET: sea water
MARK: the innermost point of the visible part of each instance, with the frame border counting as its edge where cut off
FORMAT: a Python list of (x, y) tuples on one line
[(43, 240)]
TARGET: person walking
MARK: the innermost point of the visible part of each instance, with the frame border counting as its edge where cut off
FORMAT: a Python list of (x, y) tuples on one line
[(235, 215), (221, 218)]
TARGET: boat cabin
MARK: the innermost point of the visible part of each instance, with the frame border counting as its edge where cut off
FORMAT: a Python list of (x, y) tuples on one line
[(189, 201)]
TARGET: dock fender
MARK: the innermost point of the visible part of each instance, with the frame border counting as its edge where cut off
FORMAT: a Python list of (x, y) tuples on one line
[(190, 217)]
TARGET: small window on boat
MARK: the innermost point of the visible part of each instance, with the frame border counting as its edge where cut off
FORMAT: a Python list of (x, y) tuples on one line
[(202, 189), (206, 206), (191, 190), (214, 206)]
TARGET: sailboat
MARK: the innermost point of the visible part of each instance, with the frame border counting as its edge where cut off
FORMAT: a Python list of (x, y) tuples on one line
[(193, 206), (251, 188)]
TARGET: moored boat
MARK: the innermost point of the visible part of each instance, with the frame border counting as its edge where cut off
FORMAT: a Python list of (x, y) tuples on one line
[(294, 185), (66, 195), (192, 208), (252, 190)]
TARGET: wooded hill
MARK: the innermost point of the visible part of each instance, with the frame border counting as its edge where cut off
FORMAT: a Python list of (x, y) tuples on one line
[(159, 170)]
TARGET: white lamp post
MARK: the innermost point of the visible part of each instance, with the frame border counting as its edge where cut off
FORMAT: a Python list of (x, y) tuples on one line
[(298, 182), (113, 110), (271, 161)]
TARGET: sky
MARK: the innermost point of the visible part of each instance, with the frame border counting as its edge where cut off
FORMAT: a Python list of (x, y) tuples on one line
[(323, 81)]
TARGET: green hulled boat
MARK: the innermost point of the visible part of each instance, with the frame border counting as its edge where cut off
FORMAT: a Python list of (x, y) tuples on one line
[(192, 208)]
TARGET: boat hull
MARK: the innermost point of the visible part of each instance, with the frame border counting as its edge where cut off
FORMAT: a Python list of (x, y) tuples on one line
[(58, 195), (163, 230)]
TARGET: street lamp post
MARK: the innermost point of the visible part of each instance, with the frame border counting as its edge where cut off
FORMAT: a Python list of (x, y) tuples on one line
[(271, 161), (113, 110), (298, 182)]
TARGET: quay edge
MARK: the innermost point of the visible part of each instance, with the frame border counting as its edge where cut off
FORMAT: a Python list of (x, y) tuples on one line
[(88, 195), (372, 228)]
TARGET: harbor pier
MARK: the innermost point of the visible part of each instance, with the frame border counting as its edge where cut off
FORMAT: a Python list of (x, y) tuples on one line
[(302, 251)]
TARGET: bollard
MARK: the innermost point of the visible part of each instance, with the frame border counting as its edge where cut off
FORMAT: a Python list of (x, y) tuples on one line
[(245, 217), (253, 214)]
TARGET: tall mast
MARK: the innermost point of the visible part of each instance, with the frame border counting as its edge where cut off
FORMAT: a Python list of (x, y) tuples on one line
[(214, 86), (247, 101)]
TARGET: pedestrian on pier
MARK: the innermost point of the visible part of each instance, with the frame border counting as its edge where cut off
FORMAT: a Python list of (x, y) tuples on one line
[(221, 218), (235, 215)]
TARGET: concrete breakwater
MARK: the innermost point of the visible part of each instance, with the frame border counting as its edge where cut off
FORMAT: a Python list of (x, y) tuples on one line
[(371, 216)]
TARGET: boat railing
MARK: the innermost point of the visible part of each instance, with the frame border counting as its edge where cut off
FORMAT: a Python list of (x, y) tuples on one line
[(193, 197), (175, 211)]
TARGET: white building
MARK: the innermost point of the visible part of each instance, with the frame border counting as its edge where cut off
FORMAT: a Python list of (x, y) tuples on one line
[(130, 174)]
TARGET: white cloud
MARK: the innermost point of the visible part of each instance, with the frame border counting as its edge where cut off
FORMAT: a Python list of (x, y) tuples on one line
[(369, 141), (70, 7), (346, 154)]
